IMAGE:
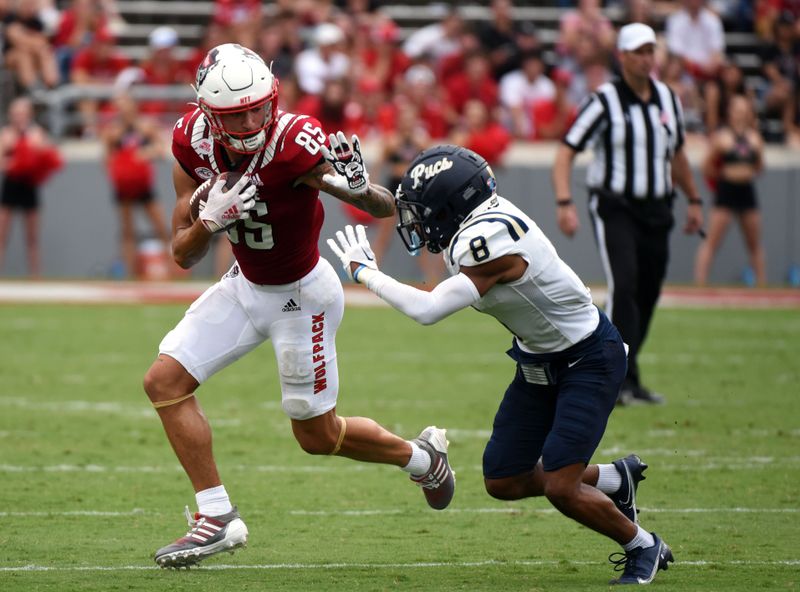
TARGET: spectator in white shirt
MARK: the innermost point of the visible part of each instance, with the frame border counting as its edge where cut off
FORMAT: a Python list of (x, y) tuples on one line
[(696, 34), (520, 89), (326, 61), (437, 40)]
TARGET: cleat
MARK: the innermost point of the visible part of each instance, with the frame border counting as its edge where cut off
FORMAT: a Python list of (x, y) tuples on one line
[(631, 469), (640, 565), (207, 536), (646, 396), (638, 395), (439, 483)]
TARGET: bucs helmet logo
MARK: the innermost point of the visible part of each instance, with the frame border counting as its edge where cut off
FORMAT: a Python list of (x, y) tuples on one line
[(427, 171)]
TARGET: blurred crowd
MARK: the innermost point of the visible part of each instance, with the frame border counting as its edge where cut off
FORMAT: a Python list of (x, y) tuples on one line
[(482, 84)]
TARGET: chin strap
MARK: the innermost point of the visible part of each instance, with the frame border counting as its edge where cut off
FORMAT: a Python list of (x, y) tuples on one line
[(342, 431), (170, 402)]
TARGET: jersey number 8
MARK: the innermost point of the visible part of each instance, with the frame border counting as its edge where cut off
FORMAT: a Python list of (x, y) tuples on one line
[(480, 252)]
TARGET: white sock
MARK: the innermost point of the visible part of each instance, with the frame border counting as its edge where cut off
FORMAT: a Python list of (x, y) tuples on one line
[(213, 501), (420, 462), (642, 539), (608, 480)]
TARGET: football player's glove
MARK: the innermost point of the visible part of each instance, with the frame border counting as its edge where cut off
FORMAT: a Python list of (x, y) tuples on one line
[(346, 159), (225, 207), (354, 249)]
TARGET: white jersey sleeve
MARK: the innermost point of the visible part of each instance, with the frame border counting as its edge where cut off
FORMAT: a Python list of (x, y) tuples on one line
[(549, 308)]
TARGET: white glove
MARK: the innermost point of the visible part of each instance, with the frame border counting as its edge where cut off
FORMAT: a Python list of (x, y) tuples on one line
[(224, 208), (349, 164), (354, 249)]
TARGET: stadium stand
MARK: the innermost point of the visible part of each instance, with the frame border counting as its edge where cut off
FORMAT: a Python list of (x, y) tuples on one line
[(189, 19)]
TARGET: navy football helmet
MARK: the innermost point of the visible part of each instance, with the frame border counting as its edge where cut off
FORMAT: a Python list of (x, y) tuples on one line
[(441, 187)]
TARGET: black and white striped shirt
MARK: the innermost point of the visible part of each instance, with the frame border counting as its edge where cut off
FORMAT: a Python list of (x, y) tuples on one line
[(633, 142)]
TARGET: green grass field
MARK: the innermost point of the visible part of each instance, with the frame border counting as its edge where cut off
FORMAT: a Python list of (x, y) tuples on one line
[(90, 488)]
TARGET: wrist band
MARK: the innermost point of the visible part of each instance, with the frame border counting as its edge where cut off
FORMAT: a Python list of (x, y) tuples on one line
[(357, 271), (564, 202), (695, 201)]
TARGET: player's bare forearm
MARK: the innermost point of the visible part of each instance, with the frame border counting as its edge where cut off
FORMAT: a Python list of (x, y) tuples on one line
[(377, 201), (682, 175), (190, 241), (190, 244), (562, 168)]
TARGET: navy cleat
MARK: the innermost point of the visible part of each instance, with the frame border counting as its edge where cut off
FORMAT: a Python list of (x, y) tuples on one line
[(439, 483), (631, 469), (207, 536), (640, 566), (635, 395)]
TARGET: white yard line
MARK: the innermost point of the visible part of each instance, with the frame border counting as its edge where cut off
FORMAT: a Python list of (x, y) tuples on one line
[(692, 461), (394, 511), (353, 565)]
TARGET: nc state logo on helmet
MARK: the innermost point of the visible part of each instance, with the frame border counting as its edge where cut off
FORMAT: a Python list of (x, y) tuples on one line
[(442, 185), (233, 79)]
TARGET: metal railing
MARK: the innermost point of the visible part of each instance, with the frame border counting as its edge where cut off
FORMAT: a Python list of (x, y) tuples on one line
[(60, 115)]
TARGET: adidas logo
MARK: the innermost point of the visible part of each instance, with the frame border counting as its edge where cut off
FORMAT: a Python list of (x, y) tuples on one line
[(290, 306), (231, 213)]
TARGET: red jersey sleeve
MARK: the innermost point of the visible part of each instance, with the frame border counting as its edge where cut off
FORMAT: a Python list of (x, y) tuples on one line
[(298, 144)]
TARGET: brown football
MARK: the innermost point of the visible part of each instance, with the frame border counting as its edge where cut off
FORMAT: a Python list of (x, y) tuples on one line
[(198, 200)]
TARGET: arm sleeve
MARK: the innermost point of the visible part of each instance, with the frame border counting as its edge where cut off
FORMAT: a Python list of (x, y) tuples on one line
[(426, 308)]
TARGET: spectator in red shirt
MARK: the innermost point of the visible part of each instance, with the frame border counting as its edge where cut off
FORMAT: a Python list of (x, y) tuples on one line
[(27, 159), (552, 117), (419, 88), (133, 144), (76, 28), (334, 108), (380, 55), (768, 12), (98, 63), (481, 133), (240, 19), (399, 148), (378, 113), (162, 67), (213, 35), (475, 82)]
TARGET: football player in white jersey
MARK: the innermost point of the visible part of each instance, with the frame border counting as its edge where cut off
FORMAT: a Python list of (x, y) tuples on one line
[(570, 359)]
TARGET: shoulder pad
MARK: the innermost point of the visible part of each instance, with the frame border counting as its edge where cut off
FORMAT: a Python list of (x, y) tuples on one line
[(191, 138)]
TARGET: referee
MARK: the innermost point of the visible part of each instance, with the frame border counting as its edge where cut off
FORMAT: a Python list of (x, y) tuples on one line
[(635, 127)]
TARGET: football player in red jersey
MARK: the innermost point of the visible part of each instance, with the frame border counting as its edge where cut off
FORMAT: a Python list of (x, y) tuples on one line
[(278, 289)]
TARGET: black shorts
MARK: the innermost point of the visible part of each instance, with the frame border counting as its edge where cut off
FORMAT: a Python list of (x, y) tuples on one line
[(563, 421), (19, 195), (738, 197)]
